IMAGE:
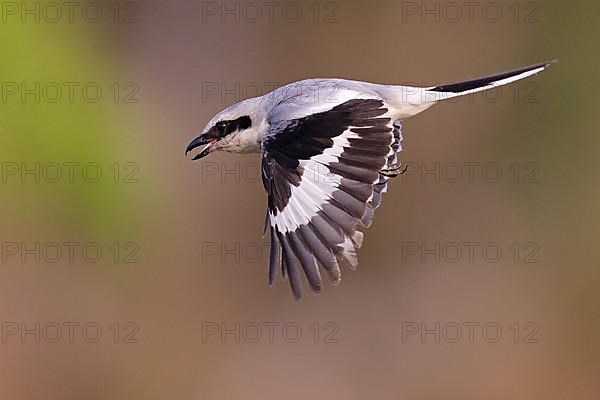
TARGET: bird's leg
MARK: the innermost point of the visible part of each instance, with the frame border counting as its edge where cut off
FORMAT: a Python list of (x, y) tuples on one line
[(393, 170)]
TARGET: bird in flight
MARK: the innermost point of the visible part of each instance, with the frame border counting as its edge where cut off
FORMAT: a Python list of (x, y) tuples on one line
[(328, 148)]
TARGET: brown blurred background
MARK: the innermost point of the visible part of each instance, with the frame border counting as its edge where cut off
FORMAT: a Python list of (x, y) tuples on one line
[(173, 305)]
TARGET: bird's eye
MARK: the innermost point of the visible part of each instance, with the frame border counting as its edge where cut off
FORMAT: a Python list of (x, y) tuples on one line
[(221, 126)]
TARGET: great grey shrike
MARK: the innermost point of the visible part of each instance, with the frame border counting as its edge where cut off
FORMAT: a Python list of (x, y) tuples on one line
[(328, 148)]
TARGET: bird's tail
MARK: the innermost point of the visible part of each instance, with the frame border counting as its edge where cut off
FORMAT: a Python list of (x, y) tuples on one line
[(443, 92)]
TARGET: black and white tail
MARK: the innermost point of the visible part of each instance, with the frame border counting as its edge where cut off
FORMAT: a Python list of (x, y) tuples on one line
[(448, 91)]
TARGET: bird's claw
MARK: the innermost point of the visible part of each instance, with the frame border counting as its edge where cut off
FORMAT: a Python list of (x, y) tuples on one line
[(393, 170)]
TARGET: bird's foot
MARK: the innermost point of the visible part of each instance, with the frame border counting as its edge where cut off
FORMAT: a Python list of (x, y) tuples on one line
[(393, 171)]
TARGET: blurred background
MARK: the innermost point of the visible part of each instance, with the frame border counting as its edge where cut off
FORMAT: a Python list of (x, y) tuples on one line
[(129, 272)]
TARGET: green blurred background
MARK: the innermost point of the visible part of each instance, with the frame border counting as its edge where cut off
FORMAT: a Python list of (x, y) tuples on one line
[(154, 62)]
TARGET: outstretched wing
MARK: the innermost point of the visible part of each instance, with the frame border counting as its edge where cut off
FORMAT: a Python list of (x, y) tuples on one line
[(322, 176)]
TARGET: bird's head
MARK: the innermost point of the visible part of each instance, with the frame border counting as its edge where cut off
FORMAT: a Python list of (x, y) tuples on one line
[(235, 129)]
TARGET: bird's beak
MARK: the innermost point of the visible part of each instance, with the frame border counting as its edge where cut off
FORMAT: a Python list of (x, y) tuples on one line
[(199, 141)]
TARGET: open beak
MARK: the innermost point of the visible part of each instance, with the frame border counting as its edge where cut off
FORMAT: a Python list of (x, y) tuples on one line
[(199, 141)]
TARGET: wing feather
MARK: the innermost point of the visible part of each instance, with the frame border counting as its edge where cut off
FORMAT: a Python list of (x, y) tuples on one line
[(322, 174)]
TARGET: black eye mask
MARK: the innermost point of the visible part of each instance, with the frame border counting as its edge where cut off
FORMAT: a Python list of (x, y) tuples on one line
[(224, 128)]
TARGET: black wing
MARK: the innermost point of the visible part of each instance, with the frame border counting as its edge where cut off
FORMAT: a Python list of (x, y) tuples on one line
[(322, 175)]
